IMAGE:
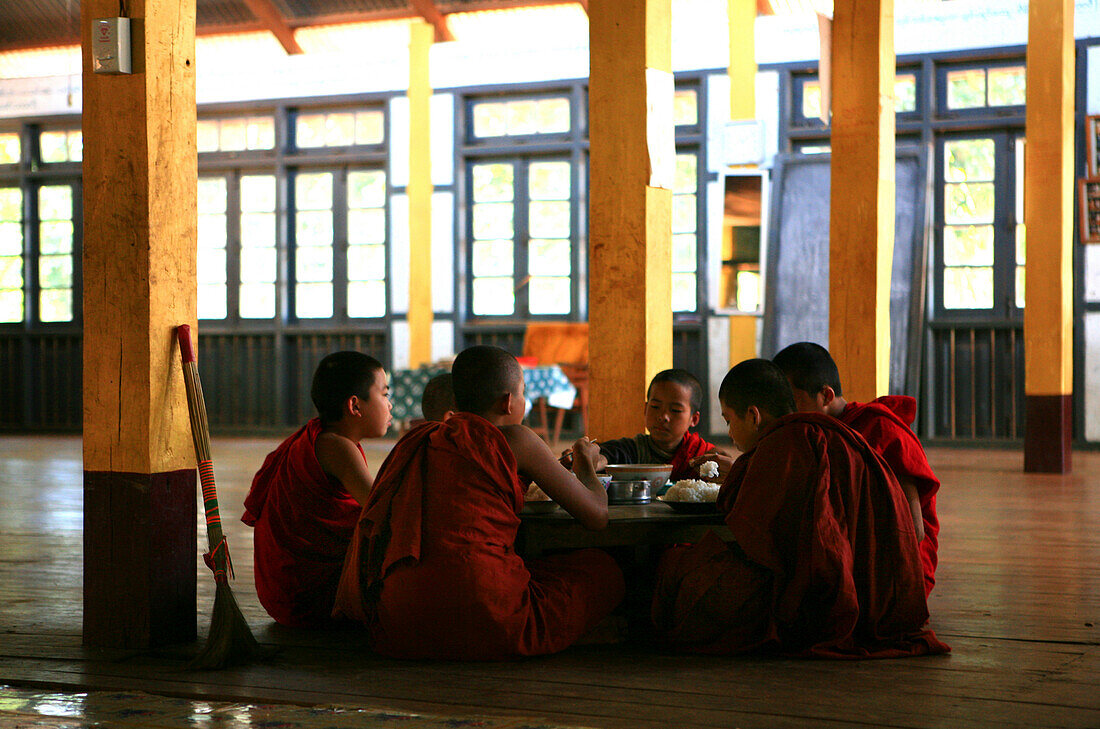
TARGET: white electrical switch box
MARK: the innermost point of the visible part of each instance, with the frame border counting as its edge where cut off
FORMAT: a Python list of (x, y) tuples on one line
[(111, 45)]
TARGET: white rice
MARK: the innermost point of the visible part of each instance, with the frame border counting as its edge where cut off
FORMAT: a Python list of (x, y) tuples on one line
[(708, 469), (692, 489)]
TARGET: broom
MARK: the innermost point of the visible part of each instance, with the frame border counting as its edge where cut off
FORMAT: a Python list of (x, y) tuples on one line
[(230, 641)]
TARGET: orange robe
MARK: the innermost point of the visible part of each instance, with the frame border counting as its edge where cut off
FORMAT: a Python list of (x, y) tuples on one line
[(303, 520), (825, 561), (432, 569), (885, 424)]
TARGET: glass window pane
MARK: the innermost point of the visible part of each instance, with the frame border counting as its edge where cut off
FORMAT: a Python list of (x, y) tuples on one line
[(11, 239), (683, 253), (211, 232), (490, 120), (367, 298), (258, 265), (55, 305), (53, 147), (11, 306), (212, 195), (55, 237), (11, 272), (811, 100), (522, 117), (234, 135), (493, 258), (969, 160), (748, 291), (369, 127), (968, 288), (366, 263), (55, 202), (905, 93), (493, 182), (548, 180), (258, 193), (966, 89), (548, 219), (493, 297), (313, 229), (11, 204), (9, 153), (549, 257), (1020, 287), (206, 136), (492, 220), (76, 146), (313, 191), (1007, 86), (212, 301), (258, 230), (366, 189), (685, 107), (55, 272), (685, 180), (553, 116), (968, 245), (683, 292), (340, 130), (1021, 244), (313, 301), (261, 132), (366, 226), (211, 265), (968, 203), (309, 131), (548, 295), (313, 263), (683, 213), (257, 300)]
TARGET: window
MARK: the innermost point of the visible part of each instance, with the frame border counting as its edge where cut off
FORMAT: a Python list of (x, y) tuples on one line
[(808, 94), (976, 88), (61, 146), (521, 117), (259, 263), (685, 107), (55, 258), (11, 254), (968, 194), (9, 148), (313, 245), (236, 134), (339, 129), (684, 233), (212, 203), (366, 243)]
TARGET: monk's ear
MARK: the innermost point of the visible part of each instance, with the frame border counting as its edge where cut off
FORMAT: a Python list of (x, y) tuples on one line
[(826, 396), (754, 416), (695, 419), (353, 406)]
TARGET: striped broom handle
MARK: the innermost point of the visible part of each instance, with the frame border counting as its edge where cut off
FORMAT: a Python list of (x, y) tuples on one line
[(200, 434)]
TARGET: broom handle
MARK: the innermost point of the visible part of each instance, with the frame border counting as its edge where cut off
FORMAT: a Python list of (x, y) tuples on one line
[(200, 434)]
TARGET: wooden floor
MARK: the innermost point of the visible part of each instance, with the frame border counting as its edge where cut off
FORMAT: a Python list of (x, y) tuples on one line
[(1018, 599)]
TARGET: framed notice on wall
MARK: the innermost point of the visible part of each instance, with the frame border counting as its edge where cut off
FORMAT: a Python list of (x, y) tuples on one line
[(1092, 144), (1089, 192)]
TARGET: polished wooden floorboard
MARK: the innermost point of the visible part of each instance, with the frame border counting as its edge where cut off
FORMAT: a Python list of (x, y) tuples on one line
[(1018, 599)]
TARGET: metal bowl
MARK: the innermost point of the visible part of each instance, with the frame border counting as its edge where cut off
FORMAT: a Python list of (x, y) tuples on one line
[(628, 492), (656, 474)]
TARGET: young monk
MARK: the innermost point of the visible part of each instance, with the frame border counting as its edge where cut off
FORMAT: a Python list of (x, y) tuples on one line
[(825, 558), (432, 569), (671, 409), (885, 424), (438, 401), (305, 499)]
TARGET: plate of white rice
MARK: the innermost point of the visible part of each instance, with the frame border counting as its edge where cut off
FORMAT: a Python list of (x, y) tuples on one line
[(692, 495)]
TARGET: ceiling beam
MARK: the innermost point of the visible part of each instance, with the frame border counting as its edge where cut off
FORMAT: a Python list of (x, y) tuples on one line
[(427, 10), (269, 16), (764, 7)]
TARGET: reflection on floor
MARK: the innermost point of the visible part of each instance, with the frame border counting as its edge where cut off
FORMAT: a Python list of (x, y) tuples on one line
[(26, 708)]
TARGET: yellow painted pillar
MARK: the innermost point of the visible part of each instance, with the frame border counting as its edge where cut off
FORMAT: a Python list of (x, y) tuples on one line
[(140, 179), (419, 190), (861, 210), (630, 224), (742, 74), (1048, 212)]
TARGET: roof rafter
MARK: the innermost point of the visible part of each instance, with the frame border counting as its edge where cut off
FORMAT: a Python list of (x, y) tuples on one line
[(427, 10), (272, 20)]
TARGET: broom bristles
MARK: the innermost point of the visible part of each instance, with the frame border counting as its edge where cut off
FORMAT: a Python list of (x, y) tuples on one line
[(230, 641)]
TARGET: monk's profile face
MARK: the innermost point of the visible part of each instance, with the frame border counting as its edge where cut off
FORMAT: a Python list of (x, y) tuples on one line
[(668, 414), (375, 407), (744, 429)]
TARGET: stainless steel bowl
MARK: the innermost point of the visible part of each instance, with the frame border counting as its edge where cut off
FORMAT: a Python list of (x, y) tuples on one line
[(628, 492)]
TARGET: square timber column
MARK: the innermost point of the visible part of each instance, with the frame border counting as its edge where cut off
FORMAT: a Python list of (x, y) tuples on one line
[(1048, 212), (861, 209), (140, 178), (421, 37), (630, 224)]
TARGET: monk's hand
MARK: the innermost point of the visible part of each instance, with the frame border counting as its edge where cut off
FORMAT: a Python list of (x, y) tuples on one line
[(725, 463), (584, 454), (566, 458)]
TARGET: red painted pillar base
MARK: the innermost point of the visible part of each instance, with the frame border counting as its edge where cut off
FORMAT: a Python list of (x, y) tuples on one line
[(1048, 437), (140, 533)]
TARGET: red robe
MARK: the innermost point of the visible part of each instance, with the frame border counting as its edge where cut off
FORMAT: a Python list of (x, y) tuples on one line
[(884, 423), (825, 562), (432, 569), (690, 447), (303, 522)]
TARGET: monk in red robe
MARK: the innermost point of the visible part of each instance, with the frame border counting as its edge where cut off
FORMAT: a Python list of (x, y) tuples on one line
[(306, 498), (671, 410), (824, 561), (885, 424), (432, 569)]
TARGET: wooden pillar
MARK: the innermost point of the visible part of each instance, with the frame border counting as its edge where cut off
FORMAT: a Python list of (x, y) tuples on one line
[(1048, 212), (140, 181), (419, 190), (742, 74), (861, 210), (630, 225)]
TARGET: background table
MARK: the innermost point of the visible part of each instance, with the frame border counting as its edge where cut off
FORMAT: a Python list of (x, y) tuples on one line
[(407, 387)]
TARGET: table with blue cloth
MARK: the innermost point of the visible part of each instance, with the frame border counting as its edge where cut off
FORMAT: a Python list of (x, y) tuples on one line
[(407, 387)]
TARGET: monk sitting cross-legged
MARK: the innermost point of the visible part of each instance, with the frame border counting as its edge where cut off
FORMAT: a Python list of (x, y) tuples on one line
[(884, 423), (825, 557), (432, 569)]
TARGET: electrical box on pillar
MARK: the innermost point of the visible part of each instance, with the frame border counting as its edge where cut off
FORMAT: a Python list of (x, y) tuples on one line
[(111, 45)]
